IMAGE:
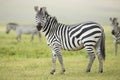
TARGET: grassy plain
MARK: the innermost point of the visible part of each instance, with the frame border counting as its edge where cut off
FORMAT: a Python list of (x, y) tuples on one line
[(27, 60)]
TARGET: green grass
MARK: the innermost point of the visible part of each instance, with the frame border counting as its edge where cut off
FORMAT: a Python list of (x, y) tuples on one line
[(32, 60)]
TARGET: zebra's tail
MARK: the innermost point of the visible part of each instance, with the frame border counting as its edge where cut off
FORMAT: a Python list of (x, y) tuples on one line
[(102, 45)]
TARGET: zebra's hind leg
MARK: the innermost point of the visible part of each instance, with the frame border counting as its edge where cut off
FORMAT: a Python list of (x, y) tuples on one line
[(100, 62), (91, 59), (100, 58)]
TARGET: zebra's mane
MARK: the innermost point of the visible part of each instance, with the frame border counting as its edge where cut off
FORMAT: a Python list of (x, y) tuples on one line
[(53, 18)]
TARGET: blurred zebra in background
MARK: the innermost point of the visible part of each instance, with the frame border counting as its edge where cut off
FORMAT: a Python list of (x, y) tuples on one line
[(88, 35), (22, 29), (115, 33)]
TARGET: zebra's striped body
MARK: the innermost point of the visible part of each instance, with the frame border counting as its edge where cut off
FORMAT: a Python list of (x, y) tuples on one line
[(87, 35), (72, 37)]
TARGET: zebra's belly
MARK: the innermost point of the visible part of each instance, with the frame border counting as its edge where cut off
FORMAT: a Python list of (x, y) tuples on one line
[(72, 45), (74, 48)]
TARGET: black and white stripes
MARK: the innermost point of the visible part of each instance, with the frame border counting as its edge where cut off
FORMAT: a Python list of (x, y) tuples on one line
[(88, 35), (72, 37)]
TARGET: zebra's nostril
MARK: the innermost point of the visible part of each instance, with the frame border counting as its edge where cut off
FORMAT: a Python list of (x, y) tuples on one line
[(113, 32)]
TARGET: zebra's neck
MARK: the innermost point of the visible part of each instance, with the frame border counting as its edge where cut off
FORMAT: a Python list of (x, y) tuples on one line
[(50, 26)]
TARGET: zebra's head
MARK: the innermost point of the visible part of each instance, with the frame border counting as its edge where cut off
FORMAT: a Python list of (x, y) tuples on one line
[(41, 17), (114, 25), (11, 26)]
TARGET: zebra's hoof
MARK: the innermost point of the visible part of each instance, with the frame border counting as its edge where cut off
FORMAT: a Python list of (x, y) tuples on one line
[(52, 72), (87, 71), (63, 71), (101, 71)]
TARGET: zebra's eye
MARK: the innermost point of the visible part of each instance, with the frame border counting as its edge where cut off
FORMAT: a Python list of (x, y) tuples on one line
[(43, 18)]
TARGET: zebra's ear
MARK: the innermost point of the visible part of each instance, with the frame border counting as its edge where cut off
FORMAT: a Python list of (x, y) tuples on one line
[(36, 8), (43, 10), (55, 18)]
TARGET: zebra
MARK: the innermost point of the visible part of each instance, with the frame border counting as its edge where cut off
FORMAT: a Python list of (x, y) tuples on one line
[(115, 33), (88, 35), (22, 29)]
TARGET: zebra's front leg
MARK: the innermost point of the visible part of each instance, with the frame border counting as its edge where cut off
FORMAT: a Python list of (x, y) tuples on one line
[(116, 47), (39, 35), (18, 38), (32, 37), (53, 62), (61, 62), (59, 55)]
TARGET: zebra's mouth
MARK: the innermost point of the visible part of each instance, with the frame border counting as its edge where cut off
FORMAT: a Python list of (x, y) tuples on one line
[(113, 32), (39, 26)]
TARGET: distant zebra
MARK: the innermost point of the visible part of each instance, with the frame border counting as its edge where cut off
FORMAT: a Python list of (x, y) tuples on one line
[(115, 32), (89, 35), (22, 29)]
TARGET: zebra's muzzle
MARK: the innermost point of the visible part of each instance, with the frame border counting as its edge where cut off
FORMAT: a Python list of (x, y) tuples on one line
[(39, 26), (113, 32)]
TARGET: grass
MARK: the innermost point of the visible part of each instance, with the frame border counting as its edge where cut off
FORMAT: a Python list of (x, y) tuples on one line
[(32, 60)]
